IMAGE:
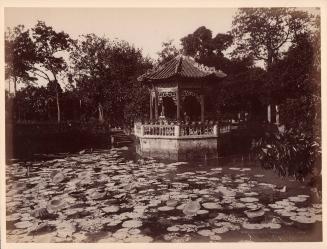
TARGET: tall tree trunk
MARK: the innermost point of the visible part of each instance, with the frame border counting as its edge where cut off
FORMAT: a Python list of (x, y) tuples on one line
[(58, 107), (57, 97), (9, 85), (100, 108), (15, 86)]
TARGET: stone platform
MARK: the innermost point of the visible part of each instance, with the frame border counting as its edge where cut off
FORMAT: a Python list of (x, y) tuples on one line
[(178, 141)]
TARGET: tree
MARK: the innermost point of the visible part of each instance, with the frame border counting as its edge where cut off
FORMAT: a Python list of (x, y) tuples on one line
[(206, 49), (50, 48), (105, 73), (20, 56), (91, 71), (240, 90), (168, 52), (31, 103), (294, 80), (263, 33)]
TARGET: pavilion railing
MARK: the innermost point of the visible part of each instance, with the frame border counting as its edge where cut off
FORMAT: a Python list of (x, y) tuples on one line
[(159, 130), (198, 130), (183, 130), (175, 130)]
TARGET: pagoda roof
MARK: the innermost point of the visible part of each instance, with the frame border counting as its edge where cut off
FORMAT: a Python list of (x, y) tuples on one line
[(181, 67)]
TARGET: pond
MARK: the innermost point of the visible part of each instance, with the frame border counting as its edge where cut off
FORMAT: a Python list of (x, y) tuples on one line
[(113, 196)]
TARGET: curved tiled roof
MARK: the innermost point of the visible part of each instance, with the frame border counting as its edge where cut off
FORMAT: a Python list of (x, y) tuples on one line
[(183, 67)]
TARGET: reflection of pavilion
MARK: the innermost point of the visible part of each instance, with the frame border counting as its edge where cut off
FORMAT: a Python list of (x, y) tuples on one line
[(177, 100)]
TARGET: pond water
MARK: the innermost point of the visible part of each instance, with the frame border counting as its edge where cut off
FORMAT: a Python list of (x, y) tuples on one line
[(113, 196)]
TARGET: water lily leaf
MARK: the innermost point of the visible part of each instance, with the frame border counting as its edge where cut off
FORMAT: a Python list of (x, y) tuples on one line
[(254, 213), (23, 224), (297, 198), (206, 232), (55, 205), (132, 224), (165, 208), (58, 178), (110, 209), (138, 238), (211, 205), (215, 237), (191, 208), (253, 226), (303, 219), (171, 203), (41, 213), (173, 229), (249, 199), (65, 229), (13, 217)]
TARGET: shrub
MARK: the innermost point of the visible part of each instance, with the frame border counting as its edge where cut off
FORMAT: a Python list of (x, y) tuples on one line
[(289, 153)]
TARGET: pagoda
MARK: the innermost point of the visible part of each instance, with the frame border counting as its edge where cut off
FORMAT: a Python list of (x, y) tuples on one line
[(177, 128)]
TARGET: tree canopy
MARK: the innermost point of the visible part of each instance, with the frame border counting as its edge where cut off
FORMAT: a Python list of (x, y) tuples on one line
[(263, 33), (105, 73), (20, 56)]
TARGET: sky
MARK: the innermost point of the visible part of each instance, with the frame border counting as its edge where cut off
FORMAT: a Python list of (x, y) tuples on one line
[(146, 28)]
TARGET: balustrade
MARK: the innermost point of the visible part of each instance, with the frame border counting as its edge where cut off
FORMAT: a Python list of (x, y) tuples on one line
[(197, 130), (159, 130), (177, 130)]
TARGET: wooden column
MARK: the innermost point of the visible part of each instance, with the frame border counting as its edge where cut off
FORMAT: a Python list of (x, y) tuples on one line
[(202, 107), (269, 114), (151, 106), (178, 109), (277, 114), (156, 106)]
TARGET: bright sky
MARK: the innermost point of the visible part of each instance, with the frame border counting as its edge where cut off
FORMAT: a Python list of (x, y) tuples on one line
[(146, 28)]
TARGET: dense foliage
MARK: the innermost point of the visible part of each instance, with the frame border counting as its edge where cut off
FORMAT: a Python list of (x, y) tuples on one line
[(292, 80), (289, 153)]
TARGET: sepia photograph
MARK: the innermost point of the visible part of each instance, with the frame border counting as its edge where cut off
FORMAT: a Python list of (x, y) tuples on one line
[(162, 125)]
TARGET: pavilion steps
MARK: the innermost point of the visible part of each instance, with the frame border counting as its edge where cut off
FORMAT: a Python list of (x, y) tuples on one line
[(119, 138)]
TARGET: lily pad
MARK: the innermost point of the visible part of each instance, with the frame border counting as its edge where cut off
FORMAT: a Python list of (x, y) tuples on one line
[(254, 213), (303, 219), (220, 230), (132, 224), (23, 224), (202, 212), (173, 229), (273, 225), (191, 208), (211, 205), (165, 208), (134, 231), (139, 238), (110, 209), (249, 199), (65, 229), (215, 237), (40, 228), (58, 178), (13, 217), (41, 213), (253, 226), (206, 232), (56, 205), (171, 203), (297, 198)]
